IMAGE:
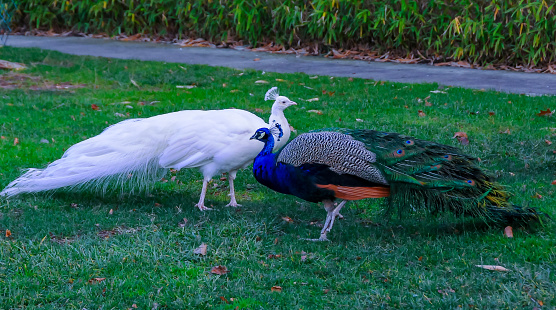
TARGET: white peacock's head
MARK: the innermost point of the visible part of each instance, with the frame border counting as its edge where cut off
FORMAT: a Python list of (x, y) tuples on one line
[(280, 102), (284, 102)]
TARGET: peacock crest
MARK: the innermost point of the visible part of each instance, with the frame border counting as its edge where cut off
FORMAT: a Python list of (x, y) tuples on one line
[(272, 94)]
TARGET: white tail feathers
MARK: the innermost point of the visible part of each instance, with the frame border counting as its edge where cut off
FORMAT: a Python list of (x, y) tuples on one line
[(120, 155)]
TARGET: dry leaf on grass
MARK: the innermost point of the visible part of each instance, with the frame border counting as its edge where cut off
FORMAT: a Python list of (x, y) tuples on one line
[(462, 137), (94, 107), (219, 270), (202, 250), (421, 113), (545, 113), (312, 99), (261, 82), (16, 141), (508, 232), (493, 267), (318, 112), (553, 182), (8, 233), (276, 288), (96, 280), (287, 219)]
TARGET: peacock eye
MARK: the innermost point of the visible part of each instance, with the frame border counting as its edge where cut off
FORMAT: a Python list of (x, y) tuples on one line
[(399, 153), (448, 157), (470, 182), (409, 142)]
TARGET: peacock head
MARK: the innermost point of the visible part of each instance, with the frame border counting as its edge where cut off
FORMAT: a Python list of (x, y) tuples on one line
[(280, 102), (262, 134)]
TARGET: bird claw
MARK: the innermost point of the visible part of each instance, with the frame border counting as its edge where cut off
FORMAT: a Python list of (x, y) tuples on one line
[(322, 238), (202, 207), (233, 204)]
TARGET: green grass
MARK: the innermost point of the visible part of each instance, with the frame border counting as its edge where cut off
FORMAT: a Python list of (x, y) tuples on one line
[(60, 242)]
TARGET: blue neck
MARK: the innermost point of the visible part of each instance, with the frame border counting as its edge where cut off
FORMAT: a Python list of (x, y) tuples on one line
[(270, 173)]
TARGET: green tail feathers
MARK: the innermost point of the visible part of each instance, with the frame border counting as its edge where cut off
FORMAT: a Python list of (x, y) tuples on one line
[(435, 177)]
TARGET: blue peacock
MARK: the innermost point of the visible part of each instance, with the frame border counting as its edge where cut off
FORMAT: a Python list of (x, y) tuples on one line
[(354, 164)]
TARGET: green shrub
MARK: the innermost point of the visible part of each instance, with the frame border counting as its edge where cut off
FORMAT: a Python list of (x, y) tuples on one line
[(516, 32)]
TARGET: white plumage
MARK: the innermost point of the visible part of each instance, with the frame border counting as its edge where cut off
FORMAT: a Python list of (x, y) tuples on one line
[(140, 151)]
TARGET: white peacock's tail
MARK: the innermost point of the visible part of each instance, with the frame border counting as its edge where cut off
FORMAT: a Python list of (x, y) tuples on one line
[(271, 94), (108, 161)]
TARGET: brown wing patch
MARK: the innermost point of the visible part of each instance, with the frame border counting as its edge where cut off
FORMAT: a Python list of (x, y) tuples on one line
[(357, 193)]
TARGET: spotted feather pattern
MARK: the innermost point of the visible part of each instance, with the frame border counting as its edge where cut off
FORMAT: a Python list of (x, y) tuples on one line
[(339, 151)]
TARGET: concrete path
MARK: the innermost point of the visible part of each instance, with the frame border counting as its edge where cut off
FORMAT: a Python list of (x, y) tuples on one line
[(505, 81)]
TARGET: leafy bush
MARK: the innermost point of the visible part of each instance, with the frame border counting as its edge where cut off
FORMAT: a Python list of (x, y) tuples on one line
[(516, 32)]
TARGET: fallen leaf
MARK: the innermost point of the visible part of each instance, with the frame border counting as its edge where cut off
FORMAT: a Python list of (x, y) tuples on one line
[(318, 112), (8, 233), (553, 182), (438, 92), (326, 290), (420, 258), (491, 113), (219, 270), (537, 196), (303, 258), (493, 267), (545, 113), (313, 99), (94, 107), (96, 280), (314, 77), (358, 120), (462, 137), (507, 131), (421, 113), (134, 83), (111, 211), (202, 250), (134, 306), (276, 289), (16, 141), (548, 142), (508, 231), (224, 299), (280, 80), (234, 90), (256, 59), (261, 82), (259, 110), (186, 86), (287, 219)]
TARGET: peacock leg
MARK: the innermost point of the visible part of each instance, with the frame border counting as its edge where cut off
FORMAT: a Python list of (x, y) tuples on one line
[(231, 178), (201, 204), (331, 213)]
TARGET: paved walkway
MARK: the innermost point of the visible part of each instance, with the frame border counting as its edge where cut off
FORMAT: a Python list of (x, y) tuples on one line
[(505, 81)]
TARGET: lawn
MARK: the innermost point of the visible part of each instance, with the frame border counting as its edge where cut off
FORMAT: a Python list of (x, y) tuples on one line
[(76, 250)]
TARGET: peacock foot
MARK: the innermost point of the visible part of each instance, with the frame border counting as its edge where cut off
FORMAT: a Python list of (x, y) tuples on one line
[(321, 238), (233, 204), (202, 207)]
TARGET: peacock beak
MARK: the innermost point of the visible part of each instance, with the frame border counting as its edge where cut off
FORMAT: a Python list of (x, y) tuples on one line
[(253, 137), (292, 103)]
